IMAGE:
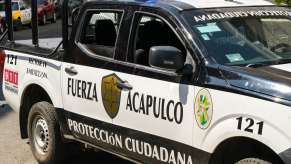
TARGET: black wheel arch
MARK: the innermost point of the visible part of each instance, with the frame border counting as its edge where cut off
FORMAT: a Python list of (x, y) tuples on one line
[(238, 147), (32, 94)]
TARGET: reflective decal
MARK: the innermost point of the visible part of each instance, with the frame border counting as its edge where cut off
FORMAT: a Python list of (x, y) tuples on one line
[(37, 73), (11, 81), (158, 107), (37, 62), (145, 147), (250, 125), (203, 108), (82, 89), (239, 14), (111, 94), (11, 59)]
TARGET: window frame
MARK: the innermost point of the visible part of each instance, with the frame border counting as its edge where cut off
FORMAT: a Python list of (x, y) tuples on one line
[(132, 41), (80, 27)]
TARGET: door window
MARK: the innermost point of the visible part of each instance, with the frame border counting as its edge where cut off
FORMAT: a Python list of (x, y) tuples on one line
[(100, 31), (153, 31)]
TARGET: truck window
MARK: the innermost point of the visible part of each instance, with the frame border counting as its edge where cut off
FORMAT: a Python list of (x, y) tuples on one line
[(244, 40), (153, 31), (99, 32)]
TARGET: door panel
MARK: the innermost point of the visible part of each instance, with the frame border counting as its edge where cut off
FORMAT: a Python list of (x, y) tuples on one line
[(150, 102), (161, 108), (142, 109), (81, 91)]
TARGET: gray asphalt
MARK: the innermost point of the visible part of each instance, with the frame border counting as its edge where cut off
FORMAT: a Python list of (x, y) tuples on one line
[(14, 150), (50, 30)]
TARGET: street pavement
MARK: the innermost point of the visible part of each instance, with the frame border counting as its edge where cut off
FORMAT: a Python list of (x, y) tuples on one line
[(50, 30), (14, 150)]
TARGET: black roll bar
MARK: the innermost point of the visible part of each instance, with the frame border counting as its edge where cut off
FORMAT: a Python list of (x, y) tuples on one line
[(34, 23), (8, 19), (65, 24)]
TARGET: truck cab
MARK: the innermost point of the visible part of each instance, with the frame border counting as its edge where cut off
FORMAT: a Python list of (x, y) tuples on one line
[(159, 82)]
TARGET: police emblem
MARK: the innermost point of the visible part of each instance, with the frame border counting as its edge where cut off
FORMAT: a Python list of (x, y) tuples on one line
[(111, 94), (203, 108)]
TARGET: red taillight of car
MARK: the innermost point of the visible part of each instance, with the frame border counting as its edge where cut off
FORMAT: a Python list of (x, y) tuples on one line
[(2, 62)]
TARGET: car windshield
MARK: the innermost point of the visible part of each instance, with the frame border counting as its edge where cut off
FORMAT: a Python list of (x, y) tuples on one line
[(14, 6), (249, 37)]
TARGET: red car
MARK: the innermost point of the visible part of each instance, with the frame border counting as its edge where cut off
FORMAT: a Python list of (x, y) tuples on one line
[(46, 11)]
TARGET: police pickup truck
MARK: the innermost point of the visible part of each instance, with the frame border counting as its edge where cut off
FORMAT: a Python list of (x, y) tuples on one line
[(166, 81)]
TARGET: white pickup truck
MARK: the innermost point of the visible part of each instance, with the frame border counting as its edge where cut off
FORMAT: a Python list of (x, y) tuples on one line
[(166, 81)]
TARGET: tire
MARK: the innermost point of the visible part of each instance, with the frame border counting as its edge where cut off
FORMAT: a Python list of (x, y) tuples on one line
[(252, 161), (54, 19), (44, 134), (244, 151)]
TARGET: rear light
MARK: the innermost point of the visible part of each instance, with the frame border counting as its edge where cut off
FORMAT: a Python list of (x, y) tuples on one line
[(2, 62)]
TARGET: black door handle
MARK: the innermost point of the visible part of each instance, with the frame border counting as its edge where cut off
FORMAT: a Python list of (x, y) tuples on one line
[(124, 85), (71, 71)]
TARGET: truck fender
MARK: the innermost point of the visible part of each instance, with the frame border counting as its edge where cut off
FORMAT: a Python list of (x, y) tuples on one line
[(56, 99), (225, 128)]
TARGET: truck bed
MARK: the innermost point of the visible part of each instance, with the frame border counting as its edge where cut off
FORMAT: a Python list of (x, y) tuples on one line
[(49, 43), (46, 46)]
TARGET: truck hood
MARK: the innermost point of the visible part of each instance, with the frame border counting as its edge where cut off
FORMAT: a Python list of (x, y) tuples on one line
[(269, 80)]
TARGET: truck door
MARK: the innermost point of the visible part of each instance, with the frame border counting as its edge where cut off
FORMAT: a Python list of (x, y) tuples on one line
[(142, 108), (156, 105), (89, 60)]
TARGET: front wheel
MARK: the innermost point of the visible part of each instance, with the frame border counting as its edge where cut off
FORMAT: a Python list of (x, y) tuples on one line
[(252, 161), (244, 151), (44, 134)]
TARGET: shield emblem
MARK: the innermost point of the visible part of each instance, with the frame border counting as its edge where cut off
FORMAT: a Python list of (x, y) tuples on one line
[(111, 94)]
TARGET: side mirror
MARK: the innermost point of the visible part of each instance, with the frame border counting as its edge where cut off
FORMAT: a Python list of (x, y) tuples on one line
[(166, 57)]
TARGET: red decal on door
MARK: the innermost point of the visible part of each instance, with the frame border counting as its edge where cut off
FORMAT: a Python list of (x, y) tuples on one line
[(11, 76)]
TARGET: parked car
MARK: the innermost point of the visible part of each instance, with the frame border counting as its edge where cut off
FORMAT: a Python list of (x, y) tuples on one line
[(46, 11), (21, 14), (166, 81)]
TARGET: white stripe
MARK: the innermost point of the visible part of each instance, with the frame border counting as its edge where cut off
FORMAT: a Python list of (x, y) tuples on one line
[(284, 67), (224, 3)]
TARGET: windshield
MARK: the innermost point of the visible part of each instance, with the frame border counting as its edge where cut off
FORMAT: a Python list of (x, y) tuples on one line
[(14, 6), (244, 37)]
